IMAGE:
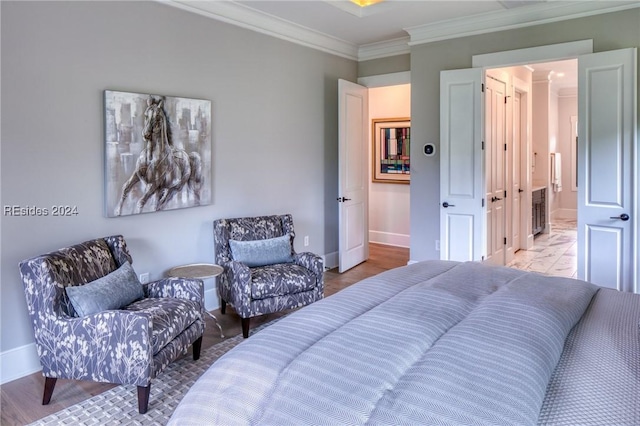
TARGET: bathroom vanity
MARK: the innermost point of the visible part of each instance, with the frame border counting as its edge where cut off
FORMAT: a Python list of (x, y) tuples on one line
[(538, 209)]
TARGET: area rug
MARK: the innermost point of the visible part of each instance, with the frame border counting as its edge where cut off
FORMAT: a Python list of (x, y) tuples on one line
[(119, 406)]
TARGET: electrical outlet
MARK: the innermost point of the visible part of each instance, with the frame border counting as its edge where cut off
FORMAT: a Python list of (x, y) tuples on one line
[(437, 245), (144, 278), (306, 240)]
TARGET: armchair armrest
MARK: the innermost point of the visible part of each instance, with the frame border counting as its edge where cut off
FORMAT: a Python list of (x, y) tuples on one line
[(315, 264), (179, 288), (236, 286), (311, 261), (110, 346)]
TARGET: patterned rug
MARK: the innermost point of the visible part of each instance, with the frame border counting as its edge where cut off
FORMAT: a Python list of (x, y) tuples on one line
[(119, 406)]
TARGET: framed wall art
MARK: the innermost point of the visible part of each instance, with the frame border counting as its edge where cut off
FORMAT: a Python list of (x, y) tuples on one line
[(391, 150), (158, 152)]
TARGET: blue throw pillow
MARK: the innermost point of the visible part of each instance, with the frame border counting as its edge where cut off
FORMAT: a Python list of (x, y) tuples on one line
[(113, 291), (262, 252)]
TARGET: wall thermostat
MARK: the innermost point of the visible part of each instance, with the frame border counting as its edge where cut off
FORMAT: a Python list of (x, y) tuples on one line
[(429, 149)]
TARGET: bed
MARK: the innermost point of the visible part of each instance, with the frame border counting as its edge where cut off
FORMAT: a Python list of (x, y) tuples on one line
[(436, 342)]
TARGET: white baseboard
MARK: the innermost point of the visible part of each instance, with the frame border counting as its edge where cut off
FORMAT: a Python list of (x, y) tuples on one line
[(411, 262), (528, 242), (331, 260), (211, 302), (19, 362), (389, 239)]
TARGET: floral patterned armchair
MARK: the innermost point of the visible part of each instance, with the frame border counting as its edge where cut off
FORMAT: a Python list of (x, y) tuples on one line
[(130, 345), (265, 289)]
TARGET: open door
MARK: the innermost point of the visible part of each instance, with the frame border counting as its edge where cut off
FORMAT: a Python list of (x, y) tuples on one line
[(495, 146), (353, 180), (462, 182), (607, 170)]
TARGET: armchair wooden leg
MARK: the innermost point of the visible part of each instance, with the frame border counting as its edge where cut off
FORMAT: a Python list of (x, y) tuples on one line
[(49, 384), (197, 345), (245, 327), (143, 398), (223, 306)]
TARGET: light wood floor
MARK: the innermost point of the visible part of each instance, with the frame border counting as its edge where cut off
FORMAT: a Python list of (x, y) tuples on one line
[(21, 400)]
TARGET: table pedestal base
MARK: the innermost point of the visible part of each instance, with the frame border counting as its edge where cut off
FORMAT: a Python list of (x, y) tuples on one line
[(217, 323)]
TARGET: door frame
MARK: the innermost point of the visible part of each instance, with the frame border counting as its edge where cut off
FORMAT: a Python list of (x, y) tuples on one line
[(556, 52), (381, 80), (526, 236), (547, 53)]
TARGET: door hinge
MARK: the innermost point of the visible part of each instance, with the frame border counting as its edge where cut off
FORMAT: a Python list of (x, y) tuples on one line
[(505, 241), (505, 146), (505, 99), (483, 145), (482, 88), (505, 194), (483, 202)]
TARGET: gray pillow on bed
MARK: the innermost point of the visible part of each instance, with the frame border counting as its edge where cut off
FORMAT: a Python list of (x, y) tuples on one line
[(262, 252), (114, 291)]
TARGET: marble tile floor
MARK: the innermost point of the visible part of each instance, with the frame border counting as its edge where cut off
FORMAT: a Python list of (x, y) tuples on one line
[(553, 253)]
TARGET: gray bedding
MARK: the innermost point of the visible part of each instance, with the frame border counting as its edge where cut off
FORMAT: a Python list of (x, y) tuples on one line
[(436, 343)]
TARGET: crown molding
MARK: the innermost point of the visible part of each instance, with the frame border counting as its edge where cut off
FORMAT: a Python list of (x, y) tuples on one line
[(513, 18), (384, 49), (246, 17)]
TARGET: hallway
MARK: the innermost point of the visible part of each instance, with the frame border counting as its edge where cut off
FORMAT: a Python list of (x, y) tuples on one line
[(553, 253)]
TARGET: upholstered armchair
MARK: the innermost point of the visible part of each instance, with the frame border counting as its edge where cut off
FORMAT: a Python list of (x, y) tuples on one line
[(262, 273), (93, 320)]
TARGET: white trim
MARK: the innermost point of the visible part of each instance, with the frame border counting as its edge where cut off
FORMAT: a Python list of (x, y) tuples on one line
[(411, 262), (491, 22), (249, 18), (246, 17), (384, 80), (359, 11), (211, 301), (331, 260), (383, 49), (389, 239), (19, 362), (551, 52)]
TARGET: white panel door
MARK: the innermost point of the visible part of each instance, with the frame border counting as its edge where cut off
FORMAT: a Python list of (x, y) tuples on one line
[(353, 178), (462, 218), (495, 161), (607, 170)]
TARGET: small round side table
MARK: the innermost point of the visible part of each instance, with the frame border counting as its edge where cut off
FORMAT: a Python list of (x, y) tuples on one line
[(200, 271)]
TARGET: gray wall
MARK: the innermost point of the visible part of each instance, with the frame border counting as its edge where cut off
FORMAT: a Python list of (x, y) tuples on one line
[(608, 31), (392, 64), (274, 136)]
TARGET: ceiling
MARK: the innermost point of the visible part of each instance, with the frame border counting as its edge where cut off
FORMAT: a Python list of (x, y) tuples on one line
[(561, 74), (379, 22), (390, 27)]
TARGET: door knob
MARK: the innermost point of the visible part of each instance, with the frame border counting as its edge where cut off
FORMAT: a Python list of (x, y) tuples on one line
[(341, 199), (623, 217), (494, 199), (445, 205)]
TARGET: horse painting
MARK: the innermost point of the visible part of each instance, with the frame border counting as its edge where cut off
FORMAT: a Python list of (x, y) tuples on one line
[(163, 170)]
